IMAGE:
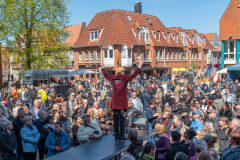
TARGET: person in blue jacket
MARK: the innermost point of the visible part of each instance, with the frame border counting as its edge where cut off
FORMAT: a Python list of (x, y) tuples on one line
[(196, 123), (145, 99), (57, 141)]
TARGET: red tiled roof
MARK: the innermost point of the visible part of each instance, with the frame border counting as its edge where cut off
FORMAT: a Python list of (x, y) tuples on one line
[(117, 29), (75, 31), (210, 36)]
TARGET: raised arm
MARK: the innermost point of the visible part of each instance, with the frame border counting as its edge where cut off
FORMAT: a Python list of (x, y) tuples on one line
[(108, 77), (132, 76)]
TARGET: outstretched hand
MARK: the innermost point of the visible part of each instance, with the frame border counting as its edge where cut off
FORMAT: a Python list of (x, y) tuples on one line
[(141, 63), (102, 65)]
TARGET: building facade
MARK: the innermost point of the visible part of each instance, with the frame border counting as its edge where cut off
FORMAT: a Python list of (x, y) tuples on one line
[(122, 38), (229, 34)]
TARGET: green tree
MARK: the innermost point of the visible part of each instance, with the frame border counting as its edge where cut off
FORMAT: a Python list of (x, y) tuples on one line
[(33, 31), (194, 65)]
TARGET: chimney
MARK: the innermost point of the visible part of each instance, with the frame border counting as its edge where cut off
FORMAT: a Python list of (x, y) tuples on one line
[(138, 7)]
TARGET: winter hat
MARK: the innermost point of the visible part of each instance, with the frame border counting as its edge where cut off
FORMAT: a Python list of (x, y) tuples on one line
[(201, 145), (120, 69)]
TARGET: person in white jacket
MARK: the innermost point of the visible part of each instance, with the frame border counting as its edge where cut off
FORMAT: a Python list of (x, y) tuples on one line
[(88, 131)]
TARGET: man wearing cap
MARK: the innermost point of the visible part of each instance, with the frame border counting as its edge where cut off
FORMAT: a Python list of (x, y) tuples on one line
[(214, 118), (196, 123), (119, 102), (176, 146), (102, 124)]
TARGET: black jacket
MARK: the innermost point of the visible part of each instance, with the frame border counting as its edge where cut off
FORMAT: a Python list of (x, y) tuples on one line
[(215, 122), (186, 121), (39, 124), (135, 148), (32, 94), (91, 100), (50, 105), (228, 113), (223, 138), (17, 126), (9, 144), (177, 108), (174, 149)]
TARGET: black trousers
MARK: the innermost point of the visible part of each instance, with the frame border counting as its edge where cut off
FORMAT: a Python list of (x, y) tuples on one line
[(29, 155), (42, 151), (119, 119)]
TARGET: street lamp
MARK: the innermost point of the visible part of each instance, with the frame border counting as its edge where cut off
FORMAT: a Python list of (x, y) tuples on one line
[(94, 62), (210, 58)]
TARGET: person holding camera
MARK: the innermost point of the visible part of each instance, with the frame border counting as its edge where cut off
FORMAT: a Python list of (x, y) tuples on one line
[(177, 106), (89, 130)]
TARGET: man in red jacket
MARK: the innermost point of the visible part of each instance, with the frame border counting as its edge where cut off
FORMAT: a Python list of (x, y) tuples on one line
[(119, 102)]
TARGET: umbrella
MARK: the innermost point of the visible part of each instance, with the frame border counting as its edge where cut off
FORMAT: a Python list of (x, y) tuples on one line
[(80, 71)]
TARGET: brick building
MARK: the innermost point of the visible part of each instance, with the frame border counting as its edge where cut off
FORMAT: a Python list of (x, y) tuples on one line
[(121, 38), (229, 33)]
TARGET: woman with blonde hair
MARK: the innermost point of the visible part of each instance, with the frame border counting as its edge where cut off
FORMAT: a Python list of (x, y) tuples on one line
[(93, 116), (96, 108), (209, 129), (200, 134), (162, 141)]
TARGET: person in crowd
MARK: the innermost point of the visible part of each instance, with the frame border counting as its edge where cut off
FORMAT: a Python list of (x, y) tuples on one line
[(2, 118), (166, 119), (66, 123), (235, 125), (15, 109), (204, 155), (11, 104), (78, 122), (213, 114), (8, 142), (226, 111), (146, 99), (102, 124), (136, 102), (17, 126), (57, 141), (147, 152), (40, 123), (24, 96), (188, 142), (85, 106), (200, 134), (233, 151), (185, 117), (92, 98), (32, 94), (210, 140), (88, 130), (152, 115), (50, 103), (30, 139), (188, 96), (55, 114), (36, 108), (93, 116), (177, 106), (136, 145), (4, 108), (96, 108), (209, 129), (200, 146), (204, 105), (162, 141), (99, 100), (179, 126), (70, 106), (14, 93), (218, 103), (176, 146), (44, 94), (228, 97), (222, 133), (196, 123)]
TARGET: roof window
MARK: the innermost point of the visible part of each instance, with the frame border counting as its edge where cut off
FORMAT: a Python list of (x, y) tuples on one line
[(128, 17), (149, 22)]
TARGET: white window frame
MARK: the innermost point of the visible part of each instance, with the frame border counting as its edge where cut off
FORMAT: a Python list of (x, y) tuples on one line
[(172, 34), (158, 36), (128, 18), (184, 55), (145, 34), (192, 39), (197, 38), (168, 37), (94, 35), (175, 55), (176, 37), (104, 53), (183, 38), (134, 31), (204, 41), (189, 37), (228, 53), (178, 55), (129, 53), (80, 59), (154, 33), (91, 56), (124, 53), (138, 53), (145, 54), (170, 55), (138, 34), (157, 54), (86, 57), (98, 54), (164, 34), (191, 54), (166, 55), (161, 55)]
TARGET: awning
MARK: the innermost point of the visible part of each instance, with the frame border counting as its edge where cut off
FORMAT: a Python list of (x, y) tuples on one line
[(60, 75), (223, 71)]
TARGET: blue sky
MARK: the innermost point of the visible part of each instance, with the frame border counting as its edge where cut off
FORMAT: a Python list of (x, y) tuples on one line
[(202, 15)]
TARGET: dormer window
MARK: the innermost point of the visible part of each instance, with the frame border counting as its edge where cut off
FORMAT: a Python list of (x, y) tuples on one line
[(129, 19), (192, 39), (100, 32), (176, 37), (183, 37), (145, 34), (134, 31), (164, 34), (149, 22), (197, 38), (138, 34), (189, 37), (168, 37), (93, 35), (154, 33), (158, 36), (173, 35), (204, 41)]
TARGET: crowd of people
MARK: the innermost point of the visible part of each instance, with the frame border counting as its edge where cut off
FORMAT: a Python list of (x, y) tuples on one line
[(191, 121)]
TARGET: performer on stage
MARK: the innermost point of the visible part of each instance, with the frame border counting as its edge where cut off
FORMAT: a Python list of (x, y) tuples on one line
[(119, 103)]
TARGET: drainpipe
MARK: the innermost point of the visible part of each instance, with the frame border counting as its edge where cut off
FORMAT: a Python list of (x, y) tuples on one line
[(164, 57), (222, 54)]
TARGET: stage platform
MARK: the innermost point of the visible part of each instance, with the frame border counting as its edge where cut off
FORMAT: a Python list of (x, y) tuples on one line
[(98, 149)]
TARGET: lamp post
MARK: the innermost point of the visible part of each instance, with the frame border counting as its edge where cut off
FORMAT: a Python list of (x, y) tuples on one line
[(94, 62), (210, 58)]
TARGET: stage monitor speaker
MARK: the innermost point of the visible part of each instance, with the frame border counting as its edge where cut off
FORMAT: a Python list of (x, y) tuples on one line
[(140, 123)]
